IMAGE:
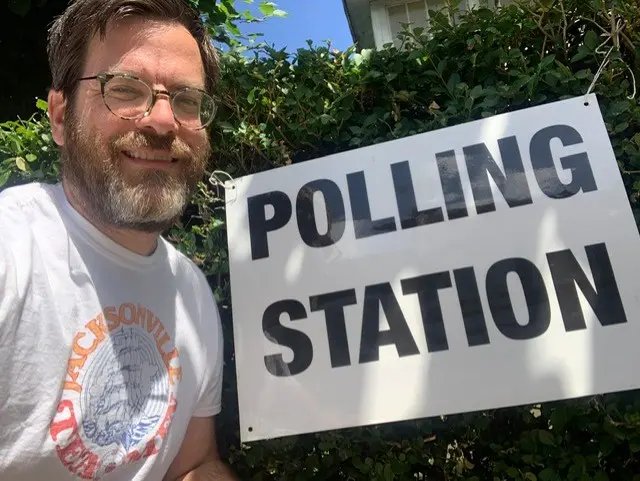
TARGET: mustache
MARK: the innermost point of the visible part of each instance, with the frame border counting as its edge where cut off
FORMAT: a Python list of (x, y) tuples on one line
[(148, 140)]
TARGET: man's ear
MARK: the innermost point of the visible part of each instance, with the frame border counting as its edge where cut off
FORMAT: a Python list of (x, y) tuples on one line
[(57, 107)]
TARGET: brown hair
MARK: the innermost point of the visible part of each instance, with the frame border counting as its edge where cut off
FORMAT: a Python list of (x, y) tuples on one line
[(71, 32)]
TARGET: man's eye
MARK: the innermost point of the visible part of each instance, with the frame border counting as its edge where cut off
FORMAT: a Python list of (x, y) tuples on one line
[(188, 104), (125, 92)]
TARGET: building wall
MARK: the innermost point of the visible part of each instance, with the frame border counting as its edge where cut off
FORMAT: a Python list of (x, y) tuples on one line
[(385, 15)]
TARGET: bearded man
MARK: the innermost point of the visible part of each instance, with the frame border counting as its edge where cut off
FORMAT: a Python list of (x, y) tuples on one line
[(111, 347)]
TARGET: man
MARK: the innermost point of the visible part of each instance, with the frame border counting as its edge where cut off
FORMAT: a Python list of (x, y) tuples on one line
[(110, 340)]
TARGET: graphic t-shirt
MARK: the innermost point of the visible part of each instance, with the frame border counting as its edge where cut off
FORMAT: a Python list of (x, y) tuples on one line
[(105, 355)]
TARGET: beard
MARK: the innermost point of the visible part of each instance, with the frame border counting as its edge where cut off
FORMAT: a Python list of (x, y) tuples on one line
[(147, 200)]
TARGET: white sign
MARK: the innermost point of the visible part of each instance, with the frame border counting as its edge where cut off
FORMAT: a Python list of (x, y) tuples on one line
[(480, 266)]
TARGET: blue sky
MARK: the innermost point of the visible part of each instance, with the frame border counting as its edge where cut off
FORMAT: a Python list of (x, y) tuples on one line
[(317, 20)]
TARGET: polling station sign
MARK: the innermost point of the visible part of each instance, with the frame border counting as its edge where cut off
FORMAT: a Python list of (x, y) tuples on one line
[(479, 266)]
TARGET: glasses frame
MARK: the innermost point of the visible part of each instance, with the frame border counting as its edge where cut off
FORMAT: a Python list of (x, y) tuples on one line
[(103, 78)]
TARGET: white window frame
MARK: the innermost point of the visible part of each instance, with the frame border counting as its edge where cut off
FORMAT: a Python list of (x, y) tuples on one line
[(380, 20)]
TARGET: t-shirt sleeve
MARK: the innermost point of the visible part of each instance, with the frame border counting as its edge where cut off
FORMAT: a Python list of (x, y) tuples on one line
[(8, 286), (210, 399)]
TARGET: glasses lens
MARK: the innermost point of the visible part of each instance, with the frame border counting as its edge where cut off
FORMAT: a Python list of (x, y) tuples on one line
[(127, 97), (193, 109)]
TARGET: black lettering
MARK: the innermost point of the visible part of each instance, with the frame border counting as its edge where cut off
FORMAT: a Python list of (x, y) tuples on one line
[(475, 324), (363, 224), (545, 170), (410, 216), (451, 184), (604, 298), (427, 287), (305, 213), (398, 333), (333, 305), (535, 294), (296, 340), (259, 225), (512, 183)]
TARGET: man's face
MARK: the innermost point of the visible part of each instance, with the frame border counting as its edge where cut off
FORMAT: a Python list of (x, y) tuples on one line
[(135, 174)]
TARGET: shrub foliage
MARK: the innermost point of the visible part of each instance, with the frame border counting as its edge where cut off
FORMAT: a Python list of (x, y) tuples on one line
[(279, 108)]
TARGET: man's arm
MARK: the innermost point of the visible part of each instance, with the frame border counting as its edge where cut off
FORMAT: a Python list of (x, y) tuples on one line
[(198, 458)]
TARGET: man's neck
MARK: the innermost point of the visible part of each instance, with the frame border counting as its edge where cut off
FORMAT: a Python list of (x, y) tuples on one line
[(142, 243)]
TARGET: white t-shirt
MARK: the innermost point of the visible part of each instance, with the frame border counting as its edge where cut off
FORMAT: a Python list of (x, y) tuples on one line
[(105, 355)]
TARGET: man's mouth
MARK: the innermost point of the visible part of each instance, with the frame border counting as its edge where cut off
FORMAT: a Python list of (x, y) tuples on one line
[(150, 156)]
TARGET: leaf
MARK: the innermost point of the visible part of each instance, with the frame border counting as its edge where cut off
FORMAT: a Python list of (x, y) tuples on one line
[(548, 60), (546, 438), (453, 81), (468, 103), (476, 92), (591, 40), (267, 8), (42, 105), (521, 82), (547, 474), (20, 7), (388, 472), (614, 431), (21, 164), (575, 471), (229, 6), (621, 127), (326, 119), (619, 107), (371, 119), (30, 158), (583, 52), (233, 28), (530, 477), (4, 176), (366, 53)]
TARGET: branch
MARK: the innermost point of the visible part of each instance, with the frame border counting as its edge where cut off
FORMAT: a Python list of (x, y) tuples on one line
[(538, 19), (604, 30), (564, 27), (627, 41)]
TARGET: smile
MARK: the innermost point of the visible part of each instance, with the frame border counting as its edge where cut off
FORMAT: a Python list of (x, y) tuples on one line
[(157, 157)]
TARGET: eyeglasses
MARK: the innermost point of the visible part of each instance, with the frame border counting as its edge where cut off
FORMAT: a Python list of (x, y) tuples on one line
[(130, 98)]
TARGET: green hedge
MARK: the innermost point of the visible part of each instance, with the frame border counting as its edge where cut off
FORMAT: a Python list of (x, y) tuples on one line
[(279, 108)]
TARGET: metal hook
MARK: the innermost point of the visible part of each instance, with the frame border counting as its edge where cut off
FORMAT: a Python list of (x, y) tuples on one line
[(229, 185), (615, 37)]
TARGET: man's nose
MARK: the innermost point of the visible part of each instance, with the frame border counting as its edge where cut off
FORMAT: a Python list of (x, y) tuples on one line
[(160, 118)]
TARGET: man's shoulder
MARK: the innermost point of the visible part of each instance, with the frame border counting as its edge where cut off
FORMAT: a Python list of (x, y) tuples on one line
[(22, 207), (25, 197), (184, 265), (27, 217)]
